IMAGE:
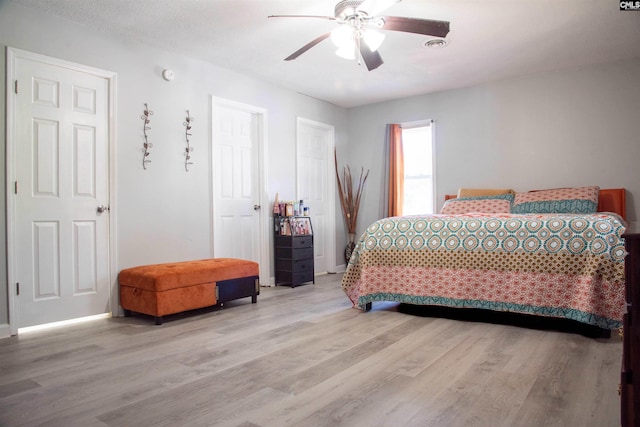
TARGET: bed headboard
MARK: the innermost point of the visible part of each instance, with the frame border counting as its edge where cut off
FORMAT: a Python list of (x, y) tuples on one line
[(613, 200), (609, 200)]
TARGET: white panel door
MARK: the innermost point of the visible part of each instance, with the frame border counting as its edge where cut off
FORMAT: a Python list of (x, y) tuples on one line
[(315, 184), (236, 219), (60, 249)]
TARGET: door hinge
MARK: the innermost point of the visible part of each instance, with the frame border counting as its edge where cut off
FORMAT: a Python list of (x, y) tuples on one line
[(16, 87), (18, 288)]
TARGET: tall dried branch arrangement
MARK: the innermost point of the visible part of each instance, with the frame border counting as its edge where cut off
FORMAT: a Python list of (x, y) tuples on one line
[(350, 200)]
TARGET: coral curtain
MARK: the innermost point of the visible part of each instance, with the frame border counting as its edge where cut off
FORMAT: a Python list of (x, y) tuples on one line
[(396, 171)]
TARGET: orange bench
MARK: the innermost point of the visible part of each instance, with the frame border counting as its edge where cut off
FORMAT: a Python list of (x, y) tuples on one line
[(162, 289)]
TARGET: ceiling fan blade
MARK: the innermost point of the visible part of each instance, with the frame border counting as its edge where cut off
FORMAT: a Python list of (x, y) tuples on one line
[(372, 59), (375, 7), (428, 27), (331, 18), (307, 46)]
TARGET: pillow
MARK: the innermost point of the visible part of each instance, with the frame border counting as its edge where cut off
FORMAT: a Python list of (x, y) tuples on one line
[(484, 204), (580, 200), (476, 192)]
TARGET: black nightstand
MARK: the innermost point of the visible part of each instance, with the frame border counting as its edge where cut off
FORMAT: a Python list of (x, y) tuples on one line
[(293, 243)]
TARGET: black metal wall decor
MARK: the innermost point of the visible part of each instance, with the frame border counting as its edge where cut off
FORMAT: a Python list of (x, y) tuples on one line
[(189, 149), (146, 117)]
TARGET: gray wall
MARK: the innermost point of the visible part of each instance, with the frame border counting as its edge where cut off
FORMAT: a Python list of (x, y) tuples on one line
[(570, 128), (163, 213)]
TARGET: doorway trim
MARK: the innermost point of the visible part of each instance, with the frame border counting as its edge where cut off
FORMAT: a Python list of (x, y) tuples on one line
[(263, 217), (13, 54)]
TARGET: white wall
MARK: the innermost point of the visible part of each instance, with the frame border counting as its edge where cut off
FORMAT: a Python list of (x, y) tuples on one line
[(163, 213), (570, 128)]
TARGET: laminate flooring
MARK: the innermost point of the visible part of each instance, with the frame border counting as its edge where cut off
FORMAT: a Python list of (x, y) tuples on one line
[(304, 357)]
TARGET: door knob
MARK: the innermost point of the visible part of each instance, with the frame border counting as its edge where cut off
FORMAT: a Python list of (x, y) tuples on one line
[(102, 208), (256, 207)]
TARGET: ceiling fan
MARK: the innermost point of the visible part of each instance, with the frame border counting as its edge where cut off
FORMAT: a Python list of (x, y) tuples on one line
[(358, 34)]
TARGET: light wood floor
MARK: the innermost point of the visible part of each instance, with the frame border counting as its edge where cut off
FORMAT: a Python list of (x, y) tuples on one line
[(304, 357)]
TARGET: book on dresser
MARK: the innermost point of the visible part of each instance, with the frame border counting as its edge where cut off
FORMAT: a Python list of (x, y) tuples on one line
[(293, 245)]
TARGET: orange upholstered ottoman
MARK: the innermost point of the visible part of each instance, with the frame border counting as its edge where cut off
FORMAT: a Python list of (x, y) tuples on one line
[(162, 289)]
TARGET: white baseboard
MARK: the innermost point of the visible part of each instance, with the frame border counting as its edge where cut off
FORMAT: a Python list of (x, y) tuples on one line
[(5, 332)]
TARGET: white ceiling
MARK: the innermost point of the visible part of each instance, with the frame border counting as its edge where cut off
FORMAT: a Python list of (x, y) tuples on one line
[(489, 40)]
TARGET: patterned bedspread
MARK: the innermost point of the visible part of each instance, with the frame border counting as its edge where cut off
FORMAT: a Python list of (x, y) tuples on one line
[(560, 265)]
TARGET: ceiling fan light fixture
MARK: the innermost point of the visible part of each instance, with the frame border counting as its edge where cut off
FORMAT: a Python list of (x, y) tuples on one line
[(373, 38), (378, 22), (342, 36), (347, 51)]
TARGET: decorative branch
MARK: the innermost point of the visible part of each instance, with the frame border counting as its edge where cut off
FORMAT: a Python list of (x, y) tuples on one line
[(349, 200), (146, 117), (189, 149)]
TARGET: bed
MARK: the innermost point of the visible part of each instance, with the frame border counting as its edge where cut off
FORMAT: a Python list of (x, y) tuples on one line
[(566, 264)]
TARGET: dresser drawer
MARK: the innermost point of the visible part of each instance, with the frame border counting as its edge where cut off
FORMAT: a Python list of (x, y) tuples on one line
[(294, 265), (294, 241), (294, 253), (295, 278)]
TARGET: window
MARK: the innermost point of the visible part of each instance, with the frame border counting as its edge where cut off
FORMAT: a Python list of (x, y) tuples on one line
[(417, 146)]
